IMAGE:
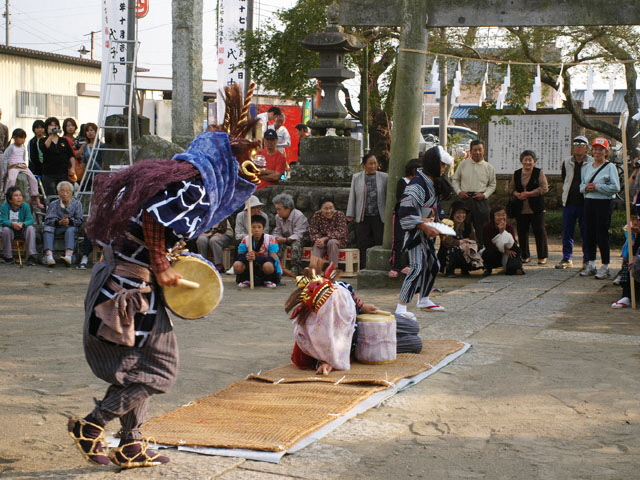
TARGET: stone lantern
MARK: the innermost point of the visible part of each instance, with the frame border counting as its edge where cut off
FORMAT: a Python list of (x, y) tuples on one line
[(330, 143)]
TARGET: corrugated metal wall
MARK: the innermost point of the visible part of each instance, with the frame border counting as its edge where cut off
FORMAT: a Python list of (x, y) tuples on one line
[(43, 76)]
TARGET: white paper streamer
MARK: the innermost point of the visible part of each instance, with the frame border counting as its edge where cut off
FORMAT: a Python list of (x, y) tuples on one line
[(483, 89), (435, 78), (588, 94), (558, 93), (457, 83), (536, 93), (609, 98), (506, 83)]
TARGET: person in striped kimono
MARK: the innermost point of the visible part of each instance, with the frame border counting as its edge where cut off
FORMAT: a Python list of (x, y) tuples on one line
[(139, 213), (418, 206)]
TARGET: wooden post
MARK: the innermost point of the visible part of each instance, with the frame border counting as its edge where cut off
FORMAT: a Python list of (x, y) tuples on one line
[(627, 203), (407, 105), (249, 242)]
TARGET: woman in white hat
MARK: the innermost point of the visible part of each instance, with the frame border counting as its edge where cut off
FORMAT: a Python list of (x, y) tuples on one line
[(241, 229)]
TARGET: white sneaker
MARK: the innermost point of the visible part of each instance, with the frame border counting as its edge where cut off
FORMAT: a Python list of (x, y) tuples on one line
[(230, 271), (622, 303), (588, 270), (603, 272), (49, 260)]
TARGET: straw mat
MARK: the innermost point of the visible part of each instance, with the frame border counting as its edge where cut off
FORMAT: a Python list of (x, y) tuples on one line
[(405, 365), (260, 413)]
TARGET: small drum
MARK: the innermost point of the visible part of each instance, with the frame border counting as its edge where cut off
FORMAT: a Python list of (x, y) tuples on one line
[(376, 342), (188, 302)]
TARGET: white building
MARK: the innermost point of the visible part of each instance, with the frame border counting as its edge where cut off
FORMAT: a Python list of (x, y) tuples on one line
[(36, 85)]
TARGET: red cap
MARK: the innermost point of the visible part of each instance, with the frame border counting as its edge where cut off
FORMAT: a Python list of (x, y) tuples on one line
[(600, 141)]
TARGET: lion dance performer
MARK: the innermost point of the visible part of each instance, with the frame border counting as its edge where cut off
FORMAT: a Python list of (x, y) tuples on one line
[(128, 338), (324, 314)]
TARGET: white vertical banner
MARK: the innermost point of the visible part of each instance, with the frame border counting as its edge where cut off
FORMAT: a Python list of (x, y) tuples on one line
[(232, 21), (115, 19)]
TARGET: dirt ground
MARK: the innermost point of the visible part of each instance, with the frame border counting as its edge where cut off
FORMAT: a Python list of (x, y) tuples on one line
[(549, 390)]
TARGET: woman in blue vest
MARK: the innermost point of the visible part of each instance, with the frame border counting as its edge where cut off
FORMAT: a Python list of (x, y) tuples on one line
[(528, 186)]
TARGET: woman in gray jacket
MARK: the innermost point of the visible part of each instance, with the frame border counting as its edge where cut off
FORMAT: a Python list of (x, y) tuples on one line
[(366, 205)]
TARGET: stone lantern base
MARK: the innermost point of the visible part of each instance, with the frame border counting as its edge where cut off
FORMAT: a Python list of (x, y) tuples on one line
[(342, 151)]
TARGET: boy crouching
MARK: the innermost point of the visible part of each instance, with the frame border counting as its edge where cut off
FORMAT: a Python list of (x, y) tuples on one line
[(264, 256)]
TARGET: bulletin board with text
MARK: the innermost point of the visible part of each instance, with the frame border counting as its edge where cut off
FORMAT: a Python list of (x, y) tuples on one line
[(549, 136)]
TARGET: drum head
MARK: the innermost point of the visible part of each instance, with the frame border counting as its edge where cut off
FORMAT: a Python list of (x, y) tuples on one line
[(191, 303), (375, 317)]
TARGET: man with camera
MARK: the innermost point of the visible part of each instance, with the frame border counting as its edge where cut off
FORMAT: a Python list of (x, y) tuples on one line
[(573, 200), (58, 162)]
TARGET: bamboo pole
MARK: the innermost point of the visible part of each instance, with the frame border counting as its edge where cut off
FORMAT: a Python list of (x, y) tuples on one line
[(627, 203), (249, 242)]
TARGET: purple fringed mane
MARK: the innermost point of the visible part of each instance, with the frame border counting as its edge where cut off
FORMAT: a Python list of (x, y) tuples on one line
[(111, 210)]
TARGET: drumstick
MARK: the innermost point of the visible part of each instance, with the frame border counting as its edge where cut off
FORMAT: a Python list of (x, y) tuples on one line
[(249, 242), (188, 283)]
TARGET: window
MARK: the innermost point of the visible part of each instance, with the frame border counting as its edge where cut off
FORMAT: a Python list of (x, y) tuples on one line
[(43, 105), (32, 104)]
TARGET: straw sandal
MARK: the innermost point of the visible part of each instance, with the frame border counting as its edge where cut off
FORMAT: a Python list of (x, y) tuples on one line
[(136, 454), (89, 439)]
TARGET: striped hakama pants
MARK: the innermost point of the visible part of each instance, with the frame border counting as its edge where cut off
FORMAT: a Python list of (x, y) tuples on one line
[(134, 373), (423, 269)]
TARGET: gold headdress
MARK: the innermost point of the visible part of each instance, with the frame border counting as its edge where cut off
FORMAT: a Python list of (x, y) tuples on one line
[(238, 125), (312, 292)]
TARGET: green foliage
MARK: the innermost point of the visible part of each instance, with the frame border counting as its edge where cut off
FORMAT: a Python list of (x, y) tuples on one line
[(553, 221), (616, 232), (277, 60)]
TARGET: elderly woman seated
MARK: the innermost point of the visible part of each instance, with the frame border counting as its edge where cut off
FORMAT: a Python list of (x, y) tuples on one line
[(64, 217), (328, 233), (500, 244), (459, 251), (17, 223)]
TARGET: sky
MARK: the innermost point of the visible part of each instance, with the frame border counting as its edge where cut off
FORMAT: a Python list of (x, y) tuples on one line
[(64, 26), (67, 27)]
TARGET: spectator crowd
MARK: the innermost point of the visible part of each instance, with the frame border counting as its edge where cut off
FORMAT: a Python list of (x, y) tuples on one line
[(55, 158), (53, 162)]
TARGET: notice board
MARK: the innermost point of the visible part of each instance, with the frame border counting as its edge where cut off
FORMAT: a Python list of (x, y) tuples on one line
[(549, 136)]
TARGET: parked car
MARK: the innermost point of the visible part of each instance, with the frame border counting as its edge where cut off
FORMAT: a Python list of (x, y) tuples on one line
[(467, 135)]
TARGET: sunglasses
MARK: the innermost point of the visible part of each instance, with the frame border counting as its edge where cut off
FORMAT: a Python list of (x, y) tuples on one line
[(579, 144)]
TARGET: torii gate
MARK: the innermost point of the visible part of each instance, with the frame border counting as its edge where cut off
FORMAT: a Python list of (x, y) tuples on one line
[(416, 16)]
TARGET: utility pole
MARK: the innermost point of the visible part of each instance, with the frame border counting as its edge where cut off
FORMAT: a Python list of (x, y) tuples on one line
[(7, 22), (92, 34)]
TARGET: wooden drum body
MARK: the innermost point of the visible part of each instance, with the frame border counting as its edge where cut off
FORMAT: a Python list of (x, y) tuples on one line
[(376, 342), (188, 302)]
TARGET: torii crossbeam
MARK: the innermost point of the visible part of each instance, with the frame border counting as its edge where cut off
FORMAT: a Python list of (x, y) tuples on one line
[(415, 16)]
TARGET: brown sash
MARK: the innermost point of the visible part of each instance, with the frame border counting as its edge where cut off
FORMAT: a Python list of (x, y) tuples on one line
[(117, 314)]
